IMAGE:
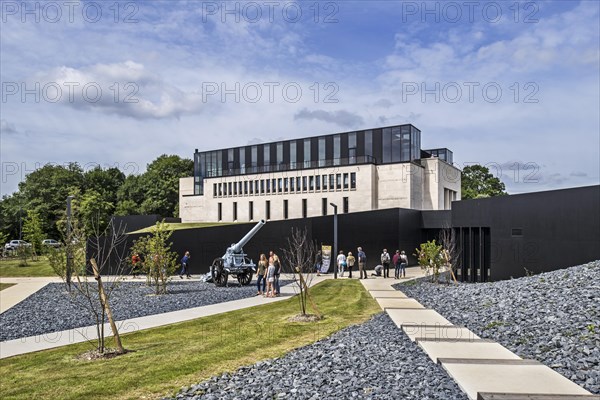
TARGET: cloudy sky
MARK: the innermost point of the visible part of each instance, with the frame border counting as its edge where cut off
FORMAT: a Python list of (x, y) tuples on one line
[(514, 85)]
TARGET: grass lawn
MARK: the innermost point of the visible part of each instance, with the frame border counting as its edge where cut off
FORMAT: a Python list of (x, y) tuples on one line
[(184, 225), (12, 267), (6, 285), (164, 359)]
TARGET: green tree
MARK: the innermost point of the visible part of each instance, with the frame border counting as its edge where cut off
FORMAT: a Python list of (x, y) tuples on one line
[(45, 191), (159, 261), (430, 256), (95, 212), (11, 211), (33, 232), (106, 182), (478, 182), (161, 184), (130, 196)]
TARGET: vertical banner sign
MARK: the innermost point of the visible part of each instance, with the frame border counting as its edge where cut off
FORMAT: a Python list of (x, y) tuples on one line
[(326, 259)]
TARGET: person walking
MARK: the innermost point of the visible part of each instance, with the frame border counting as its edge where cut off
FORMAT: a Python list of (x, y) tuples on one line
[(385, 261), (396, 262), (403, 263), (362, 263), (350, 260), (136, 262), (184, 265), (341, 262), (261, 270)]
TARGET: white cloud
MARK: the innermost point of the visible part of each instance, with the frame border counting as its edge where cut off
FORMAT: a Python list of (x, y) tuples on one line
[(341, 118), (170, 53)]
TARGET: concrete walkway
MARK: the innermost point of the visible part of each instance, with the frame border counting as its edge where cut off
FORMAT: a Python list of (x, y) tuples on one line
[(483, 369)]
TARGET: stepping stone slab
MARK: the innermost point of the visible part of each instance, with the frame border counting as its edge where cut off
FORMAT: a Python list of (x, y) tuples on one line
[(387, 304), (416, 317), (438, 332), (513, 396), (378, 284), (470, 349), (388, 294), (507, 376)]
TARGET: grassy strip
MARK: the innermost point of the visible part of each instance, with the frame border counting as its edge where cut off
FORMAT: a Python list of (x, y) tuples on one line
[(184, 225), (14, 267), (164, 359), (6, 285)]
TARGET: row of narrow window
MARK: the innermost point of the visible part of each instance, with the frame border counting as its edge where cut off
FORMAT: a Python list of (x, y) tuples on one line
[(299, 184), (324, 209)]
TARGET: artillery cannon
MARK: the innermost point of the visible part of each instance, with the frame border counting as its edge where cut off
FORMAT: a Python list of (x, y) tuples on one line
[(235, 261)]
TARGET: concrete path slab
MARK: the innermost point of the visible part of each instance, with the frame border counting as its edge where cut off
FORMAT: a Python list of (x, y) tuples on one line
[(438, 332), (416, 317), (379, 283), (19, 292), (468, 349), (530, 396), (387, 304), (516, 376), (388, 294)]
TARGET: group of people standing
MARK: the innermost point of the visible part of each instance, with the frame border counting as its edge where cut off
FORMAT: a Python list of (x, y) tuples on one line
[(267, 275), (400, 261), (347, 263)]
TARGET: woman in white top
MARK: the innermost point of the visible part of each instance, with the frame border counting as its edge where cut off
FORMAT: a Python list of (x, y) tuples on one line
[(341, 263), (270, 280)]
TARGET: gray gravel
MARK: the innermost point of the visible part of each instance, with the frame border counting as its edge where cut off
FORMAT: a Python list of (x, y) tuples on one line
[(51, 309), (374, 360), (552, 317)]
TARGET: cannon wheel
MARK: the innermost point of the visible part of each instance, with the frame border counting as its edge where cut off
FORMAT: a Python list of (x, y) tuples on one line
[(245, 278), (218, 273)]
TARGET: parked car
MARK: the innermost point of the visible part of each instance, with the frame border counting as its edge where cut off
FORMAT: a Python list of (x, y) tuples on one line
[(15, 244), (51, 243)]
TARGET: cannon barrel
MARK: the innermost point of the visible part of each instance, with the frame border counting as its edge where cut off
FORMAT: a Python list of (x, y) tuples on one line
[(237, 247)]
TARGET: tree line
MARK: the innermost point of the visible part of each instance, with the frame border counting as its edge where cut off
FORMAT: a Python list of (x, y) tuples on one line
[(39, 204)]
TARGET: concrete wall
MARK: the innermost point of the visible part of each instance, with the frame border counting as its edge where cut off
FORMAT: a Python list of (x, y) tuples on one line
[(402, 185)]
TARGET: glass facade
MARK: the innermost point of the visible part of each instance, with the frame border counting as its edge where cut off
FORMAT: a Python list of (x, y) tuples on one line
[(393, 144), (442, 154)]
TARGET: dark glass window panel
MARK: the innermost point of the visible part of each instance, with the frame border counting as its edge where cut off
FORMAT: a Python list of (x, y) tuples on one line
[(322, 154), (386, 145), (266, 154), (307, 154), (396, 144), (293, 154), (353, 180), (336, 149), (368, 144)]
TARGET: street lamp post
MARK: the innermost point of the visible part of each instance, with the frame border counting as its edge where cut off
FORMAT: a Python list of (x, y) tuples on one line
[(335, 240), (20, 223)]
